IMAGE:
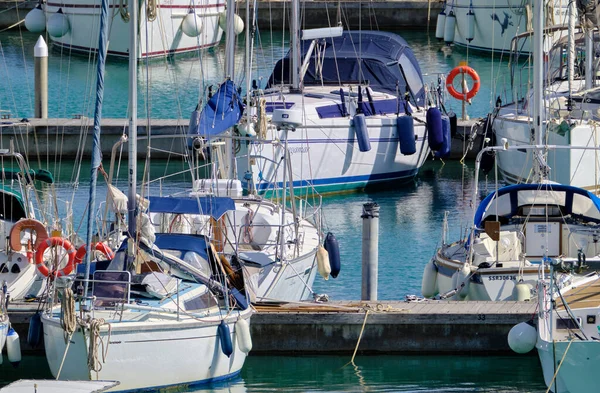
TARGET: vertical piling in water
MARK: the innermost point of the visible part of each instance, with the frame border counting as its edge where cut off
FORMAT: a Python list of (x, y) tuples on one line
[(370, 252), (41, 78)]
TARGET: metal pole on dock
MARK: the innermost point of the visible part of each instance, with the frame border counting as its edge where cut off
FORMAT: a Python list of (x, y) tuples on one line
[(40, 52), (370, 251)]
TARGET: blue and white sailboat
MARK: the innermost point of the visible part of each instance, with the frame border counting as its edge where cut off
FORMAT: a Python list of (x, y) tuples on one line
[(153, 318), (358, 108)]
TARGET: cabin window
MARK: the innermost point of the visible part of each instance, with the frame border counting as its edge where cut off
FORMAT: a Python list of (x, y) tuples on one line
[(204, 301), (413, 79)]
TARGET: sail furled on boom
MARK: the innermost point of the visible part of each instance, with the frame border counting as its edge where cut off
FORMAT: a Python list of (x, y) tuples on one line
[(222, 111)]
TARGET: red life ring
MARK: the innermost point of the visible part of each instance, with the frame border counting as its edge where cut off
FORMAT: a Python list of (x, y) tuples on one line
[(55, 242), (463, 70), (103, 248)]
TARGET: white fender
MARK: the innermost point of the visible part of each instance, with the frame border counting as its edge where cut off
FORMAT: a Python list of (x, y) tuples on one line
[(242, 334), (323, 264)]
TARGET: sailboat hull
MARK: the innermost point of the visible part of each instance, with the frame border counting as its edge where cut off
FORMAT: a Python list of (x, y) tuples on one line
[(566, 164), (142, 355), (324, 153), (497, 22), (160, 37)]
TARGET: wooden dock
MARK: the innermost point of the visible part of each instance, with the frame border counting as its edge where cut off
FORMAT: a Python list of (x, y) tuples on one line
[(382, 327)]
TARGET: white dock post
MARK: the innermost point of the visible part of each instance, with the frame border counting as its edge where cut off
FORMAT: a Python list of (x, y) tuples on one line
[(41, 78), (370, 251)]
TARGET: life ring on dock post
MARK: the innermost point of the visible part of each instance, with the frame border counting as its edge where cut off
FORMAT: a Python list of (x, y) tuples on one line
[(55, 242), (466, 96), (103, 248), (27, 224)]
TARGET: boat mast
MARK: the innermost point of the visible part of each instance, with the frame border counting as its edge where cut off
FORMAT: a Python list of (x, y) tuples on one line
[(538, 71), (229, 74), (295, 43), (133, 50), (96, 153), (571, 48)]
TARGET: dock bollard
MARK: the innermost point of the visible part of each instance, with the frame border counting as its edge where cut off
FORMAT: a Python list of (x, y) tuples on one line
[(370, 250), (41, 78)]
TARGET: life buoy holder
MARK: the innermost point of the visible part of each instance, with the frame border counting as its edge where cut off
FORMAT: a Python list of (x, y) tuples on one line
[(55, 242), (101, 247), (27, 224), (466, 96)]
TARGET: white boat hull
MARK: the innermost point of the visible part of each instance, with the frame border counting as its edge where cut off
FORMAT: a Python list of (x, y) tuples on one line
[(325, 157), (497, 22), (290, 282), (142, 356), (578, 371), (566, 165), (161, 37)]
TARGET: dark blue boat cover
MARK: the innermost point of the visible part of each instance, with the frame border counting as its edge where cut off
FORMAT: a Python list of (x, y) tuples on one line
[(222, 111), (213, 206), (377, 57), (182, 242)]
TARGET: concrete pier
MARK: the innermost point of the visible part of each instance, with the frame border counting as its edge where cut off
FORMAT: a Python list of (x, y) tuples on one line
[(63, 137), (389, 326), (385, 15)]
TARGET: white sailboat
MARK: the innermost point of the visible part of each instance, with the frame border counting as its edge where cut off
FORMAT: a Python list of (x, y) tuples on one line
[(517, 228), (569, 100), (169, 28), (491, 25), (356, 107), (151, 319), (567, 332)]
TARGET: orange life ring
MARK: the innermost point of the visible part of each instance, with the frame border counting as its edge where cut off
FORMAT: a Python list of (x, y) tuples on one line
[(103, 248), (55, 242), (450, 83), (27, 224)]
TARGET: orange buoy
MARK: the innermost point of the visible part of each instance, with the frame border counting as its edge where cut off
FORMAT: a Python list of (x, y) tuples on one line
[(55, 242), (466, 96), (103, 248), (27, 224)]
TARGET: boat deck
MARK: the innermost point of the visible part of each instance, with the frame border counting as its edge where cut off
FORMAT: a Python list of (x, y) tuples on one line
[(587, 295)]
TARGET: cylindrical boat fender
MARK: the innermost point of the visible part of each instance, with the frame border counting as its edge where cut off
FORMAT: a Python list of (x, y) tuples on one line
[(35, 21), (333, 249), (191, 25), (323, 262), (13, 347), (225, 338), (453, 123), (238, 23), (522, 337), (34, 334), (58, 24), (463, 280), (362, 132), (429, 282), (440, 25), (405, 125), (242, 334), (522, 292), (435, 135), (470, 26), (449, 28), (444, 151)]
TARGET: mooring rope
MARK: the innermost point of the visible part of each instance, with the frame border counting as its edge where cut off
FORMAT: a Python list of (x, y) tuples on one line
[(94, 363), (559, 364)]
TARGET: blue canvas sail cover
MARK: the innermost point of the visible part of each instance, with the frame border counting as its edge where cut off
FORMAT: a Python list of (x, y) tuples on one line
[(507, 200), (380, 58), (210, 206), (222, 111)]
